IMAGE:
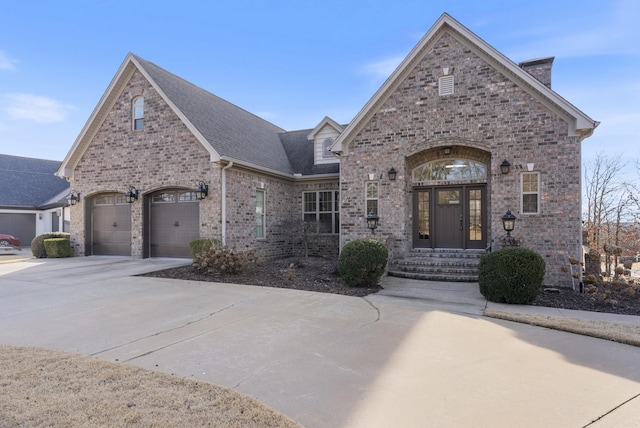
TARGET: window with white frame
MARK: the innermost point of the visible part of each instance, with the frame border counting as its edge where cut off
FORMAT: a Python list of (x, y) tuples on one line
[(326, 145), (138, 113), (322, 208), (260, 214), (530, 193), (372, 194)]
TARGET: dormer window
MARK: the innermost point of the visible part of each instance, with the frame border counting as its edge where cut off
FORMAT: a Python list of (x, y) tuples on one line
[(326, 146), (138, 113)]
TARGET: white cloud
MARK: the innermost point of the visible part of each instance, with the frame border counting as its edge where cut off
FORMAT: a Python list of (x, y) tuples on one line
[(383, 68), (7, 63), (35, 108), (614, 31)]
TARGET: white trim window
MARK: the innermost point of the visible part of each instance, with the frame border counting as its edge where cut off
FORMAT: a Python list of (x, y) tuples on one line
[(322, 207), (530, 191), (260, 214), (372, 195), (138, 113)]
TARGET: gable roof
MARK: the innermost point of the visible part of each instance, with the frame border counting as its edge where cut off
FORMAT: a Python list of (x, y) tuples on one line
[(325, 121), (226, 131), (29, 183), (579, 123)]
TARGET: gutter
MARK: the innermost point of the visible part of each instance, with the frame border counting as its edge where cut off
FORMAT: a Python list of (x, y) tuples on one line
[(224, 202)]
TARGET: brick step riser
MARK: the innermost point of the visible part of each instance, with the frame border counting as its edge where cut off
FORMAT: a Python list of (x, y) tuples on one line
[(439, 270), (418, 263), (435, 277), (439, 265)]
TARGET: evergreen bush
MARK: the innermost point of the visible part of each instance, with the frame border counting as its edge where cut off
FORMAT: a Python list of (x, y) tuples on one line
[(37, 244), (200, 245), (57, 247), (362, 262), (512, 275)]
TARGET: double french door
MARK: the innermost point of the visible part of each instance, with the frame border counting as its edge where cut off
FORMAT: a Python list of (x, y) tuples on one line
[(449, 217)]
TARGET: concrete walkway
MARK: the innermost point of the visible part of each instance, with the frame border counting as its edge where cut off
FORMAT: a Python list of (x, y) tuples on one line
[(417, 354)]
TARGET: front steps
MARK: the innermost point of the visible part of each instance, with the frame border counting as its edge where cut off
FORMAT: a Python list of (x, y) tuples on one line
[(442, 264)]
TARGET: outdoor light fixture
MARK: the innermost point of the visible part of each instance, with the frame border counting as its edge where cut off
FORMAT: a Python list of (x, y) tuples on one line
[(392, 174), (372, 221), (509, 223), (202, 191), (74, 198), (504, 167), (131, 195), (447, 151)]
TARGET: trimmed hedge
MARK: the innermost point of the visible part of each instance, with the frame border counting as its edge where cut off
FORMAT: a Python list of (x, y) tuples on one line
[(201, 245), (37, 244), (512, 275), (362, 262), (57, 247)]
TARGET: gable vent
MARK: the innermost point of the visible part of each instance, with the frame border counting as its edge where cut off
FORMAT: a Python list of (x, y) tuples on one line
[(445, 85)]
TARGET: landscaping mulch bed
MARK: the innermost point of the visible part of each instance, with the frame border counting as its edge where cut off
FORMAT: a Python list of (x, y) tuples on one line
[(321, 275)]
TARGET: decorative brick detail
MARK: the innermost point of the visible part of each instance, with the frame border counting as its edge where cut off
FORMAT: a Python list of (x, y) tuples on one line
[(488, 119)]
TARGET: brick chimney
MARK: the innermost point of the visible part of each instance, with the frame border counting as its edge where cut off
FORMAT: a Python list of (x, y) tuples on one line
[(539, 68)]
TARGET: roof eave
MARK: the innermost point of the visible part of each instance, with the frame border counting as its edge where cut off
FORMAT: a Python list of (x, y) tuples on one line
[(317, 177)]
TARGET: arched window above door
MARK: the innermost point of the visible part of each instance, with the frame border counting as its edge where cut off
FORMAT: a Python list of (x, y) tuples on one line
[(449, 170)]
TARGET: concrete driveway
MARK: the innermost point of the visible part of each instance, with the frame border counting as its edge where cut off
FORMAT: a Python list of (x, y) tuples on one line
[(421, 358)]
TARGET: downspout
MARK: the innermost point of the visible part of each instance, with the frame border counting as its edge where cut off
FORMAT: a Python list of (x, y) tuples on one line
[(224, 202)]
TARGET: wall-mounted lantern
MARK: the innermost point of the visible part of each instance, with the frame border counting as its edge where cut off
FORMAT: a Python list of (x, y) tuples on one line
[(504, 167), (202, 191), (447, 151), (509, 223), (74, 197), (372, 221), (131, 195), (392, 174)]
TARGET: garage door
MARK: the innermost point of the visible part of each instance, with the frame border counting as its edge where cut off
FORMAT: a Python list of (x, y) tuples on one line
[(173, 223), (111, 226), (22, 226)]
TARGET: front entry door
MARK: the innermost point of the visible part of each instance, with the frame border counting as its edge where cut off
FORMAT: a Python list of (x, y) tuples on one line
[(449, 217)]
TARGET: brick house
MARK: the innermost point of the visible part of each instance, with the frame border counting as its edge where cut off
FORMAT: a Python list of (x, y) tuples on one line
[(446, 119)]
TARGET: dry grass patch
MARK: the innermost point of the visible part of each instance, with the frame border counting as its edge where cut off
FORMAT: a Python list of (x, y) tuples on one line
[(617, 332), (46, 388)]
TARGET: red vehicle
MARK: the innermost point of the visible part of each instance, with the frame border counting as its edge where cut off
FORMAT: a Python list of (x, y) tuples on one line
[(9, 241)]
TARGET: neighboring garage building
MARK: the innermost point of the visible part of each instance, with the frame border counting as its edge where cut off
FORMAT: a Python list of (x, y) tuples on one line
[(32, 199)]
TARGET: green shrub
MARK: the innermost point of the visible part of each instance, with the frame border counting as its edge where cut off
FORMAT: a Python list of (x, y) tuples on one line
[(224, 260), (200, 245), (57, 247), (37, 244), (512, 275), (361, 262)]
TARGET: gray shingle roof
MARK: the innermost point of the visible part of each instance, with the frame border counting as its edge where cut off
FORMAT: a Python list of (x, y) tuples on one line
[(230, 130), (300, 152), (29, 183)]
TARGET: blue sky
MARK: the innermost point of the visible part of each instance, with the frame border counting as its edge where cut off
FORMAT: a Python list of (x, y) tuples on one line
[(293, 62)]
